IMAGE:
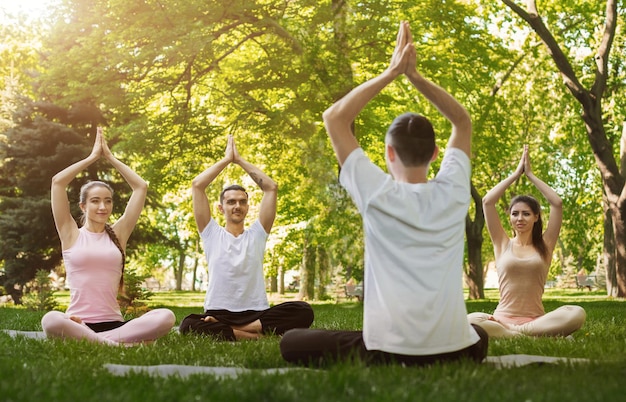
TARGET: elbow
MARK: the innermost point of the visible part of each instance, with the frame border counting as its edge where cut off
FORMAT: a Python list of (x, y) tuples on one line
[(488, 202), (271, 187), (331, 116), (464, 120), (327, 116), (196, 184), (55, 180), (141, 185)]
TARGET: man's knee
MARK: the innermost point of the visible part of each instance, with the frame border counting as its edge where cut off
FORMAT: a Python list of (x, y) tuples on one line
[(306, 316), (291, 346), (187, 324), (480, 349)]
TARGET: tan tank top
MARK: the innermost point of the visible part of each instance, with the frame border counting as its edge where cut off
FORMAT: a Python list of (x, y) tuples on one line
[(521, 284)]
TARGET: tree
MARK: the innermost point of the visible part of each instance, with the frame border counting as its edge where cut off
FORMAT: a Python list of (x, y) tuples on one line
[(34, 150), (590, 100)]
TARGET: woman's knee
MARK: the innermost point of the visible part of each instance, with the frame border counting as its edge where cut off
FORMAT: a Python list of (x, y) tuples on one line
[(165, 316), (577, 315), (53, 322)]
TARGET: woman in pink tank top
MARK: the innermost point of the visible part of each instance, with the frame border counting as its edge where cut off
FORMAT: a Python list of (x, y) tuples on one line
[(94, 257), (523, 262)]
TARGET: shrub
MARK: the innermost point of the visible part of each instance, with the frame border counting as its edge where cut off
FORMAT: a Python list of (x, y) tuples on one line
[(40, 294), (133, 299)]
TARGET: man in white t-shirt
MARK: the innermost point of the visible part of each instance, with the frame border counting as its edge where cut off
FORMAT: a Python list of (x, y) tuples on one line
[(236, 305), (414, 310)]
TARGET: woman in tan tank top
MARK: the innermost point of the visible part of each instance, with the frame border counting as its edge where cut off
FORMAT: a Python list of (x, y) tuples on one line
[(523, 262)]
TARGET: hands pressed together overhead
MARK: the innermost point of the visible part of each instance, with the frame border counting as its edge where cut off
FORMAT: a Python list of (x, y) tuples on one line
[(100, 147), (403, 59), (232, 155), (524, 164)]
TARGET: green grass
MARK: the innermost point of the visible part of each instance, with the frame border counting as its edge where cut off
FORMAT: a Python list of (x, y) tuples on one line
[(54, 370)]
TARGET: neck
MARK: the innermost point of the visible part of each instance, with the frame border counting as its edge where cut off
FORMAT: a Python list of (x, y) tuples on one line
[(94, 227), (524, 239), (234, 228), (412, 175)]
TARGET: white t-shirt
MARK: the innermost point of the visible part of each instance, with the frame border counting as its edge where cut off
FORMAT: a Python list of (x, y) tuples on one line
[(414, 242), (236, 280)]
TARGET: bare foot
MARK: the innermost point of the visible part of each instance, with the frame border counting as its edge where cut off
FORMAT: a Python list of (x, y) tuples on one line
[(255, 328), (242, 335), (76, 319)]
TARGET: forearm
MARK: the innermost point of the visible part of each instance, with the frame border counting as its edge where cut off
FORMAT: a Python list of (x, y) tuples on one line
[(338, 118), (550, 195), (205, 178), (493, 195), (441, 99), (264, 182), (64, 177), (132, 178), (348, 108)]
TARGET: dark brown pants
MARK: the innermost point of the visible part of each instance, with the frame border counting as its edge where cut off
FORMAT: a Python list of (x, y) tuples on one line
[(318, 347)]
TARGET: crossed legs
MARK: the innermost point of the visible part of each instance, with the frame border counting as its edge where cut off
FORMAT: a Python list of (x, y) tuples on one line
[(563, 321), (232, 326), (150, 326)]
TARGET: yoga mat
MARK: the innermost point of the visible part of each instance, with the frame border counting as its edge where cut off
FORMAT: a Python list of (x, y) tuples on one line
[(518, 360), (25, 334), (183, 371)]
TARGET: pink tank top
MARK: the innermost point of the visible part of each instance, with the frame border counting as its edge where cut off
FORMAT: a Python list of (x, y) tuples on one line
[(521, 283), (94, 267)]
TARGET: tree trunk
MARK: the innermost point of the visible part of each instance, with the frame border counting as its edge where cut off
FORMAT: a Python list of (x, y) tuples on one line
[(307, 271), (195, 273), (474, 232), (323, 277), (281, 280), (620, 249), (609, 250), (180, 269)]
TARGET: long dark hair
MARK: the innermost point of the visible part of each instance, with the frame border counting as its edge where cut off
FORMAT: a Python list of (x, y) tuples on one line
[(108, 228), (537, 232)]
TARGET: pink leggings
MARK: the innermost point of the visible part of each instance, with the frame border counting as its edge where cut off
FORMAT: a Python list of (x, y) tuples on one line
[(560, 322), (150, 326)]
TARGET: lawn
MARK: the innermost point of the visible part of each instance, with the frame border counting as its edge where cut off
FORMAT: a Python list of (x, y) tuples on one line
[(54, 370)]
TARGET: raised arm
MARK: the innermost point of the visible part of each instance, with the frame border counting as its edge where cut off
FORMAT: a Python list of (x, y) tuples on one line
[(499, 238), (63, 220), (267, 210), (125, 225), (339, 117), (443, 101), (551, 234), (201, 206)]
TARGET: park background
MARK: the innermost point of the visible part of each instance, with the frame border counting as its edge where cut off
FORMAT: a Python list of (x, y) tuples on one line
[(169, 80)]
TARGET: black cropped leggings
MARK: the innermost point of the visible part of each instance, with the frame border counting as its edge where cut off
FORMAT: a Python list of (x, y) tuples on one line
[(275, 320)]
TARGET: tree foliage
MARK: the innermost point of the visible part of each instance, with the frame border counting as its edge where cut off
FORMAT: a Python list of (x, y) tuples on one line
[(172, 79)]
